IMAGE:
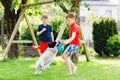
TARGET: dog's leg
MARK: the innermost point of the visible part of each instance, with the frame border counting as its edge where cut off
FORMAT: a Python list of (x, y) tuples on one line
[(48, 61), (41, 70), (38, 67), (42, 63), (46, 66)]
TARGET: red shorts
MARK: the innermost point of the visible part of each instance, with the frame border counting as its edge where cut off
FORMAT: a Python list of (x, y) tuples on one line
[(43, 46)]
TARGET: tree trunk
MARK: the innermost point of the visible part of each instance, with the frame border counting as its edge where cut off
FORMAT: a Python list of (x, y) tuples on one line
[(11, 18), (10, 23)]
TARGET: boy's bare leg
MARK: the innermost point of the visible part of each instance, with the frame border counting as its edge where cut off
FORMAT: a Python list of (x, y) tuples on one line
[(68, 63), (74, 68)]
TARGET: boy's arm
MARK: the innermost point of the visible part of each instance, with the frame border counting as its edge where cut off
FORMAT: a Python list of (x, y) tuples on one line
[(52, 36), (40, 32), (70, 39)]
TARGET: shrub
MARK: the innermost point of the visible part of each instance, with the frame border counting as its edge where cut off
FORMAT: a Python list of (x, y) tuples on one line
[(113, 45), (56, 27), (25, 35), (56, 24), (103, 28)]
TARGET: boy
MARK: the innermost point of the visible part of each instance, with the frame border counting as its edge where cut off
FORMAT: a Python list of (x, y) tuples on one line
[(74, 40), (45, 34)]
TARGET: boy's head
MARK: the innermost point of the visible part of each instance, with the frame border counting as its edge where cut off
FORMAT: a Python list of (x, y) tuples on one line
[(70, 18), (45, 19)]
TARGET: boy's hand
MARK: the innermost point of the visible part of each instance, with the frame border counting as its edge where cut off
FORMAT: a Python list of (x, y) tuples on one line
[(44, 29), (61, 40), (64, 42)]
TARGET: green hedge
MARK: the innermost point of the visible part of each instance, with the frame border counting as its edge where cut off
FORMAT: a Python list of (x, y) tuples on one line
[(56, 27), (56, 24), (113, 45), (103, 28)]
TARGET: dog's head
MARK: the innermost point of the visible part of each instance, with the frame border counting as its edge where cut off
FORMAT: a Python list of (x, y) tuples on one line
[(52, 44)]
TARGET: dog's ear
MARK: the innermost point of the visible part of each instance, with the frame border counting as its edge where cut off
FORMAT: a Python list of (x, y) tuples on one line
[(49, 45), (52, 44)]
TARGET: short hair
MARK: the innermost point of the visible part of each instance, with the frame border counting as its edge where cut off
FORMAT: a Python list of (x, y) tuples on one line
[(45, 16), (71, 15)]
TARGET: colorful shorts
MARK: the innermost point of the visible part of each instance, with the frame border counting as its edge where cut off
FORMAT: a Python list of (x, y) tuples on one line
[(71, 49)]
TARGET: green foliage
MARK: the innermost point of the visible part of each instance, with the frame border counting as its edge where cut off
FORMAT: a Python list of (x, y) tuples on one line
[(87, 6), (1, 11), (75, 9), (113, 45), (60, 2), (37, 38), (103, 28), (66, 3), (31, 1), (34, 11), (25, 35), (66, 33), (70, 5), (15, 5), (56, 28)]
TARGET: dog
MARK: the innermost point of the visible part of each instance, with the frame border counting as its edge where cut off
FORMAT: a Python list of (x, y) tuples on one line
[(47, 57)]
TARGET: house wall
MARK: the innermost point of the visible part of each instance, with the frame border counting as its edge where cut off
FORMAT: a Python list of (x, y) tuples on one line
[(107, 10)]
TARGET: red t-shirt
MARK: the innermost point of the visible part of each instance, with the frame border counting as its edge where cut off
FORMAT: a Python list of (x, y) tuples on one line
[(74, 28)]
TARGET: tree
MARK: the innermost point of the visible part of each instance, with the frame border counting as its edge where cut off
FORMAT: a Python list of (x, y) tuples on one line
[(75, 6), (11, 16)]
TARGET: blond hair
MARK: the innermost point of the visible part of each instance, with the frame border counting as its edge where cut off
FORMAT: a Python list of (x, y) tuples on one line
[(45, 16)]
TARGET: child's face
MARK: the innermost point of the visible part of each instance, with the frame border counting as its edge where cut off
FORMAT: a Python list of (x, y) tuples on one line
[(44, 20), (70, 21)]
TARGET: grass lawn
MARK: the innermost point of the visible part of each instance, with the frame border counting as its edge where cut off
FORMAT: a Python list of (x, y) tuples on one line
[(24, 68)]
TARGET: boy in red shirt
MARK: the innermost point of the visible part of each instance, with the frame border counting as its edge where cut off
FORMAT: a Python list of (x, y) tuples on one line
[(74, 43)]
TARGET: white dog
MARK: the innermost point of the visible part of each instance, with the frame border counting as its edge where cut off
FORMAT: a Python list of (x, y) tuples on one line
[(47, 58)]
